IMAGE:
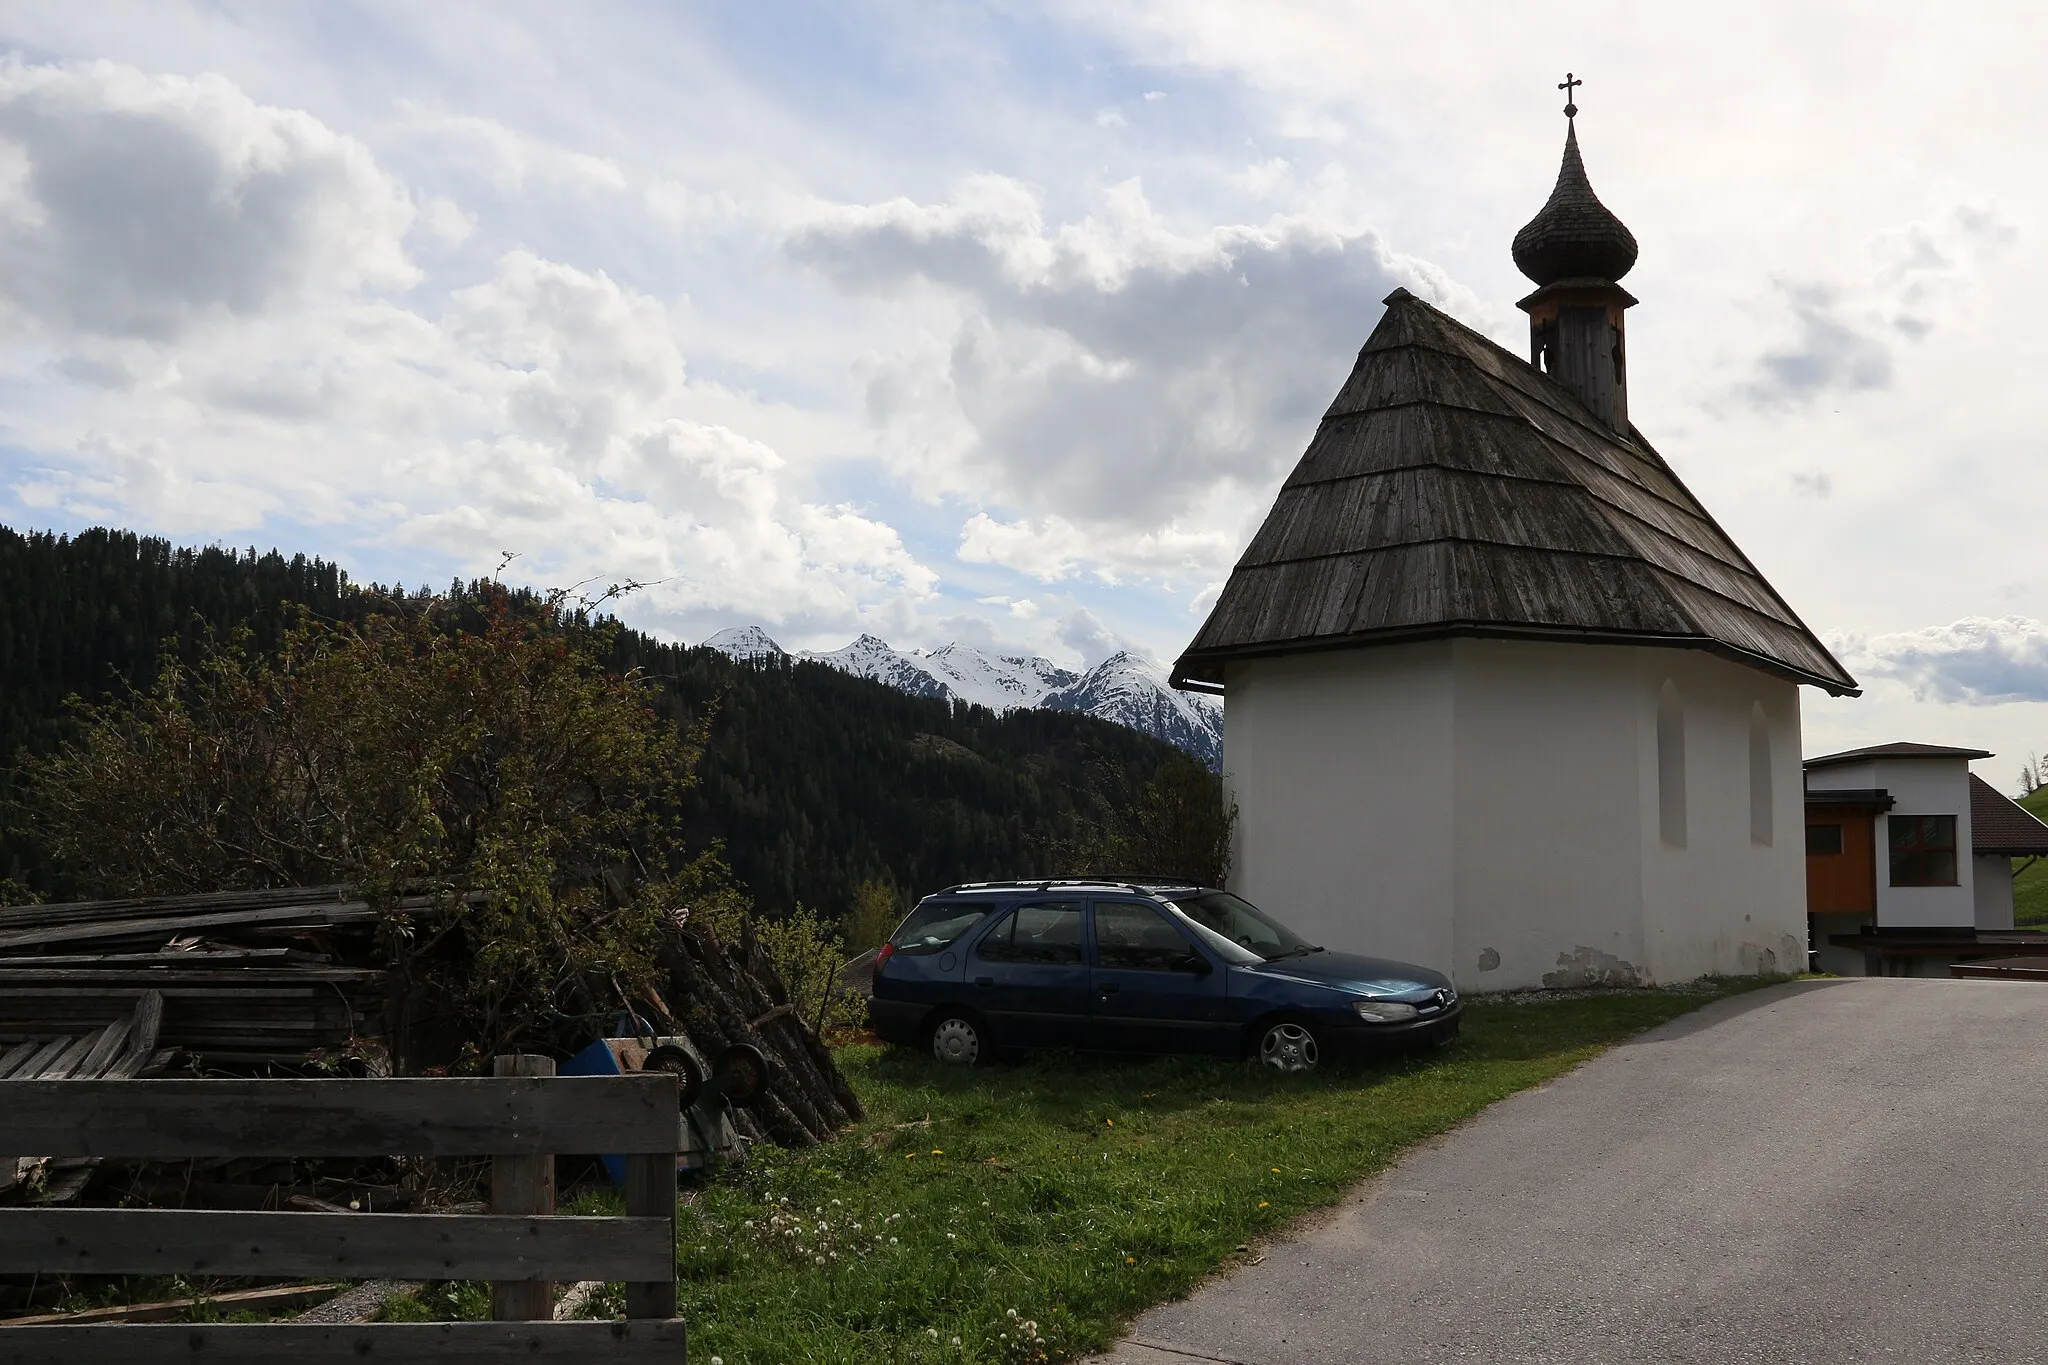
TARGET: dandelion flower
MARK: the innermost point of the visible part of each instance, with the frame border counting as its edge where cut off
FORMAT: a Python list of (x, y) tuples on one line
[(717, 1360), (1276, 1170), (1262, 1203), (1130, 1260), (1009, 1312), (956, 1341), (892, 1241), (932, 1332), (938, 1151)]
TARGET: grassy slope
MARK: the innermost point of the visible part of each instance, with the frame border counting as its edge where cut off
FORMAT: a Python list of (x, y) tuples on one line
[(1076, 1192), (2030, 888)]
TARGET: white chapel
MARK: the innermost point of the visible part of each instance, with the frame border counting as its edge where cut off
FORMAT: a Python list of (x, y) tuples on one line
[(1502, 698)]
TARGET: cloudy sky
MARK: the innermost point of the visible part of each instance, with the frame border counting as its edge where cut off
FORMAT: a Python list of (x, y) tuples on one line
[(1001, 322)]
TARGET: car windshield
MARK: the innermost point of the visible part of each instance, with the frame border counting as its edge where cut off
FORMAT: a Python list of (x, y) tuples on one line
[(1242, 925)]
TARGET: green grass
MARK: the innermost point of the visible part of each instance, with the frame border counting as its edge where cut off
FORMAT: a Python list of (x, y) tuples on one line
[(2030, 888), (1076, 1192)]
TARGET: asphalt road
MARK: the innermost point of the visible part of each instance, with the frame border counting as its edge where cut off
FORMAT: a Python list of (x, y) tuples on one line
[(1850, 1170)]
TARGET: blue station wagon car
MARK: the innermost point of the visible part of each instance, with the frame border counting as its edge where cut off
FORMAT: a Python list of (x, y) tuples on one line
[(1120, 967)]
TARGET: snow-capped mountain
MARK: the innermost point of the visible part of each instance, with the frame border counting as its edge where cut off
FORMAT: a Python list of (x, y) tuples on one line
[(1131, 691), (745, 642), (1124, 688), (999, 682), (873, 659)]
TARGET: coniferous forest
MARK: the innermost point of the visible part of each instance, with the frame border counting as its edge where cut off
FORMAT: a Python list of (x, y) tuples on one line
[(815, 781)]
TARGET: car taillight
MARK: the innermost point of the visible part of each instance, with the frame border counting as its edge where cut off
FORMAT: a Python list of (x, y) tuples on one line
[(884, 953)]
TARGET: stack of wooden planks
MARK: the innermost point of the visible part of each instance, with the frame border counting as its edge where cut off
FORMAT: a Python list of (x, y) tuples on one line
[(247, 979), (123, 1050)]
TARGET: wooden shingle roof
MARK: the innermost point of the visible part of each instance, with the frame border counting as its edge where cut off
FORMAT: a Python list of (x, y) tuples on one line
[(1453, 489)]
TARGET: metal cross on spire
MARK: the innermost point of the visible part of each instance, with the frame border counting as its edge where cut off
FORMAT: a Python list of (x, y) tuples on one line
[(1571, 106)]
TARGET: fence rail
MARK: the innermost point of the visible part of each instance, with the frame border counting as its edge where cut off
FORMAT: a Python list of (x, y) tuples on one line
[(520, 1120)]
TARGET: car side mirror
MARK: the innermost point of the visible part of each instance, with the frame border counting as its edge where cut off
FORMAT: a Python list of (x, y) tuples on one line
[(1196, 963)]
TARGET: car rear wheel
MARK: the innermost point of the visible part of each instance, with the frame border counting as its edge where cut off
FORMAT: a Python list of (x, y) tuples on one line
[(1288, 1046), (957, 1040)]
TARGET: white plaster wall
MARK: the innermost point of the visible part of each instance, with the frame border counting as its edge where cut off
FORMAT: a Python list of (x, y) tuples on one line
[(1991, 885), (1724, 904), (1489, 808), (1340, 767), (1925, 786), (1549, 791)]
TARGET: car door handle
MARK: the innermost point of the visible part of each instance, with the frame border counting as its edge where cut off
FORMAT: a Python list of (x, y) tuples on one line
[(1110, 988), (984, 981)]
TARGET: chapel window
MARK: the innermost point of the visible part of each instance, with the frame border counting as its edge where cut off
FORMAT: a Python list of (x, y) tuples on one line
[(1923, 850), (1760, 809), (1671, 765)]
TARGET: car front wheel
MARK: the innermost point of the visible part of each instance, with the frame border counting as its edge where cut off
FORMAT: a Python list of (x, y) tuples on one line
[(1288, 1046), (958, 1041)]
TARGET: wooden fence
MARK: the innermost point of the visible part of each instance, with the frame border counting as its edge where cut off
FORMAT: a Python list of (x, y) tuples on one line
[(522, 1121)]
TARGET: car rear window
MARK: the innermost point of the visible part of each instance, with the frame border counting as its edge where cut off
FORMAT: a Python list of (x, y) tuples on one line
[(934, 925)]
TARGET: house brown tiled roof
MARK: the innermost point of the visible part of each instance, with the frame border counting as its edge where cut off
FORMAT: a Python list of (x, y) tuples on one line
[(1899, 749), (2000, 825), (1454, 489)]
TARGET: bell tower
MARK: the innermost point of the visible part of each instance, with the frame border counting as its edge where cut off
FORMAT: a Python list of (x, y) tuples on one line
[(1575, 251)]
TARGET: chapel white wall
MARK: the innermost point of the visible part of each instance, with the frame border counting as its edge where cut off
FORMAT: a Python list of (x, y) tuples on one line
[(1489, 808), (1726, 903), (1549, 790), (1337, 763)]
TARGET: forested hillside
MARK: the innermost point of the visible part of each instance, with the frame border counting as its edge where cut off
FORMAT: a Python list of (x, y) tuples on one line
[(815, 781)]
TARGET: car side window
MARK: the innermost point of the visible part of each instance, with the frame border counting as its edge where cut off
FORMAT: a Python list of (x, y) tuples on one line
[(1133, 935), (1047, 933), (934, 924)]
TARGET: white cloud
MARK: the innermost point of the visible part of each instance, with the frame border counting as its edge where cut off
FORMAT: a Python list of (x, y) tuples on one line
[(1052, 548), (1108, 374), (506, 158), (1085, 634), (1849, 334), (1976, 661), (539, 407), (137, 206)]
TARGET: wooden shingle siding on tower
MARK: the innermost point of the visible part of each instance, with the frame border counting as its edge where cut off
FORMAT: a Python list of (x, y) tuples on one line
[(1453, 489)]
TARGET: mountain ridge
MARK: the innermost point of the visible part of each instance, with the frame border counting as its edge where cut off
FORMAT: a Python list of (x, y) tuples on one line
[(1125, 688)]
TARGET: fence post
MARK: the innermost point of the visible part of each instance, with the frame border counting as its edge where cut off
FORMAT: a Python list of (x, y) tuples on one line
[(522, 1185)]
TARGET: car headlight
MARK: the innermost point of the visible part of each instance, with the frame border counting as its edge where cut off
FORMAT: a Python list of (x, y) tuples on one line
[(1383, 1011)]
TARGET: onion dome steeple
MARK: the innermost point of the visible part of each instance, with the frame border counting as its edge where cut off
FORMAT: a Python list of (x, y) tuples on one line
[(1575, 251), (1574, 236)]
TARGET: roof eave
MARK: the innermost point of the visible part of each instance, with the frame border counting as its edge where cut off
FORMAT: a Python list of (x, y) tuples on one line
[(1202, 670)]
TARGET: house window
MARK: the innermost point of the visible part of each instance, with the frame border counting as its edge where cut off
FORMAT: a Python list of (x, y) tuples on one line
[(1823, 841), (1923, 850)]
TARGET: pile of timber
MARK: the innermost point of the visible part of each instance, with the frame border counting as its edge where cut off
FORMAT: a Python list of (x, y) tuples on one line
[(726, 993), (247, 979), (124, 1050)]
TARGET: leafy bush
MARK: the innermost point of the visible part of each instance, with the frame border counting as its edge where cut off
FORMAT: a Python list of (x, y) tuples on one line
[(492, 763)]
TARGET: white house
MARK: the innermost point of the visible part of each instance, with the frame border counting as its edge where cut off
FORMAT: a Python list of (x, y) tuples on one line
[(1502, 698), (1909, 860)]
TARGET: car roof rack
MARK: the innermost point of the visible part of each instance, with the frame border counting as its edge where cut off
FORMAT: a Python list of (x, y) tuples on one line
[(1048, 883)]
